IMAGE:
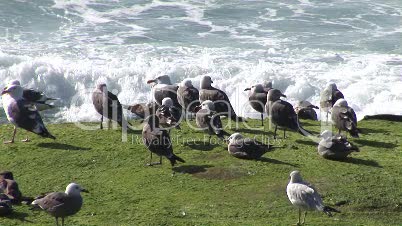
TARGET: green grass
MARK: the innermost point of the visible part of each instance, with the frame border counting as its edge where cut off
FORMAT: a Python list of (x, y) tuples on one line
[(211, 188)]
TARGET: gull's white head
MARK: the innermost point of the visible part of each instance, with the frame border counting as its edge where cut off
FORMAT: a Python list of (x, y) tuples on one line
[(258, 88), (295, 177), (74, 189), (274, 95), (341, 103), (208, 105), (164, 79), (167, 101), (206, 82), (14, 91), (186, 83), (234, 137)]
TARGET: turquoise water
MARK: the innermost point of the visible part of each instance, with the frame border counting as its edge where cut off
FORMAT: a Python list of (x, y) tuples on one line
[(66, 47)]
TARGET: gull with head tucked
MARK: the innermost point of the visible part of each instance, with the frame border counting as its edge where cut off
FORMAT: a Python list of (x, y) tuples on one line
[(344, 118)]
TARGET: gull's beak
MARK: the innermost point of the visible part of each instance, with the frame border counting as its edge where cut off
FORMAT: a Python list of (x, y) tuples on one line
[(283, 95), (84, 190), (151, 81), (313, 106), (247, 89), (4, 92)]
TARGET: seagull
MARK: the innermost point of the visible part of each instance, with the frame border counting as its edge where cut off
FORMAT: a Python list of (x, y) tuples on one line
[(37, 98), (207, 120), (305, 110), (305, 197), (282, 113), (188, 96), (107, 105), (329, 96), (62, 204), (164, 88), (158, 141), (246, 148), (143, 110), (9, 187), (344, 118), (169, 116), (257, 99), (22, 113), (220, 99), (335, 146)]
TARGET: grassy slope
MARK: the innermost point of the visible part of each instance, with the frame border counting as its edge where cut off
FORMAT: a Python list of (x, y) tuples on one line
[(211, 188)]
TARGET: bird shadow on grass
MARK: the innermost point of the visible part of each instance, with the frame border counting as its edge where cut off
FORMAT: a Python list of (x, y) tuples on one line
[(377, 144), (61, 146), (252, 131), (200, 145), (18, 216), (307, 142), (360, 162), (275, 161), (370, 130), (192, 169), (307, 122)]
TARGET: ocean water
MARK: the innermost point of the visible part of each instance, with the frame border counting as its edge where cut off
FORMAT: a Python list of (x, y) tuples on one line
[(65, 47)]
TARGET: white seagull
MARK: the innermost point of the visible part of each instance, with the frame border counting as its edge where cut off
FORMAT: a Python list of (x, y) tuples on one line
[(304, 196)]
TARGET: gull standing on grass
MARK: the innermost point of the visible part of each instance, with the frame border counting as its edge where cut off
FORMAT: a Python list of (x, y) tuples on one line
[(257, 98), (62, 204), (305, 197), (108, 105), (344, 118), (22, 113)]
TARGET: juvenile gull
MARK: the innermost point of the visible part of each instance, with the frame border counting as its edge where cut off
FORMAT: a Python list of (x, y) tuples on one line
[(158, 141), (39, 99), (164, 88), (169, 116), (9, 187), (62, 204), (305, 110), (143, 110), (188, 96), (305, 197), (344, 118), (207, 120), (335, 146), (219, 98), (257, 99), (282, 113), (107, 105), (246, 148), (22, 113)]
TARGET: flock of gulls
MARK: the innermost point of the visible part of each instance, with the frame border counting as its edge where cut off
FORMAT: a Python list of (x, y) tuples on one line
[(171, 104)]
